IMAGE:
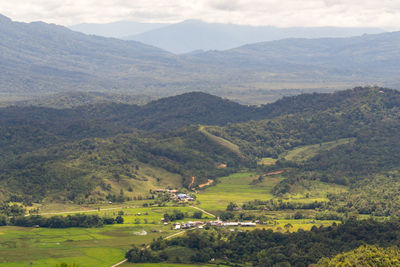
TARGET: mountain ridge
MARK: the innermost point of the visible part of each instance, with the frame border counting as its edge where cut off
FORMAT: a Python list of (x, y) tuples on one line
[(38, 59), (192, 35)]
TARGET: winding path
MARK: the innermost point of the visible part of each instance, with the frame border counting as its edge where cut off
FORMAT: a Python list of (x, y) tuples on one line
[(119, 263), (190, 185)]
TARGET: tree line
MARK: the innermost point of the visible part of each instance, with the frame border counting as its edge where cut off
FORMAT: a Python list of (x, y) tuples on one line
[(75, 220)]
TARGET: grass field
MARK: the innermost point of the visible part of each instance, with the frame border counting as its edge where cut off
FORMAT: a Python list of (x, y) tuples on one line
[(282, 225), (104, 246), (310, 191), (267, 161), (87, 247), (237, 188)]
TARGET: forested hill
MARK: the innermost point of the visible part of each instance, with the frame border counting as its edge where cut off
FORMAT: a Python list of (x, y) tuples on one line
[(191, 108), (27, 128), (344, 100), (314, 118), (85, 147), (348, 138)]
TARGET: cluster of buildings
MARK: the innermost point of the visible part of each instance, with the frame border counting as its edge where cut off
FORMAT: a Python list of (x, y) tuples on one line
[(224, 224), (184, 197), (187, 225), (174, 196), (199, 224), (173, 193)]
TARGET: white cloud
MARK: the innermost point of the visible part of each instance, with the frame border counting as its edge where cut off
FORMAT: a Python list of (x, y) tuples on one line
[(375, 13)]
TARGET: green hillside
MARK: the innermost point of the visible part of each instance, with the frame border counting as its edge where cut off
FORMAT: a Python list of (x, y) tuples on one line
[(76, 154), (93, 168), (295, 167)]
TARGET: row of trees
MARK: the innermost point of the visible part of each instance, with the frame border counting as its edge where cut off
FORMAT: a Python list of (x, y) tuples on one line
[(75, 220), (177, 215)]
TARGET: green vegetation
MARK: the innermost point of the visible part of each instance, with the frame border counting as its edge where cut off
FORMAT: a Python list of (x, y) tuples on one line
[(365, 256), (75, 99), (98, 169), (268, 248), (267, 161), (166, 265), (221, 141), (302, 164), (236, 187), (98, 246), (76, 220), (305, 153)]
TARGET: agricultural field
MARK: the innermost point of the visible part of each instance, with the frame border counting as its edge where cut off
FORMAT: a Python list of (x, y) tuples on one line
[(47, 247), (19, 246), (237, 188), (241, 188)]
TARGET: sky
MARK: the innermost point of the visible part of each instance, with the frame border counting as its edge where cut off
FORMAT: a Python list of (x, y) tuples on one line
[(281, 13)]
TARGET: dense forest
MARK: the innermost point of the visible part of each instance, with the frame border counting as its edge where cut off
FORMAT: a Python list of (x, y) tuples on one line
[(268, 248), (77, 153)]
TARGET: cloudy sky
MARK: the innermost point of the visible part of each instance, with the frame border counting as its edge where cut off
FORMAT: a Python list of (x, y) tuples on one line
[(375, 13)]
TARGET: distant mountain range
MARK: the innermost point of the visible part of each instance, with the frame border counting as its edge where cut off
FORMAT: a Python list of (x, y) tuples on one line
[(39, 58), (118, 29), (194, 35)]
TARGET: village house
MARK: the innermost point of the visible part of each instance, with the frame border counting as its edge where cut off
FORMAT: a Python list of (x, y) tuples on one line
[(184, 197)]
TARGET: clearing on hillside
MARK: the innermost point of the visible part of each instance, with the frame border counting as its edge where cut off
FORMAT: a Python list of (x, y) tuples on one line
[(304, 153), (223, 142)]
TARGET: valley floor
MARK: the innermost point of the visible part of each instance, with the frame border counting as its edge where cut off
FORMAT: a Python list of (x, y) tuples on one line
[(106, 246)]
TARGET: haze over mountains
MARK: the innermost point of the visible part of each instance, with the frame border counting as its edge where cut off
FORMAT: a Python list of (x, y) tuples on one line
[(119, 29), (193, 35), (39, 58)]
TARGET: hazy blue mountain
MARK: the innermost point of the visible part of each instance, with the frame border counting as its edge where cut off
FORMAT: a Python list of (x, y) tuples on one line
[(39, 58), (367, 59), (192, 35), (118, 29)]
